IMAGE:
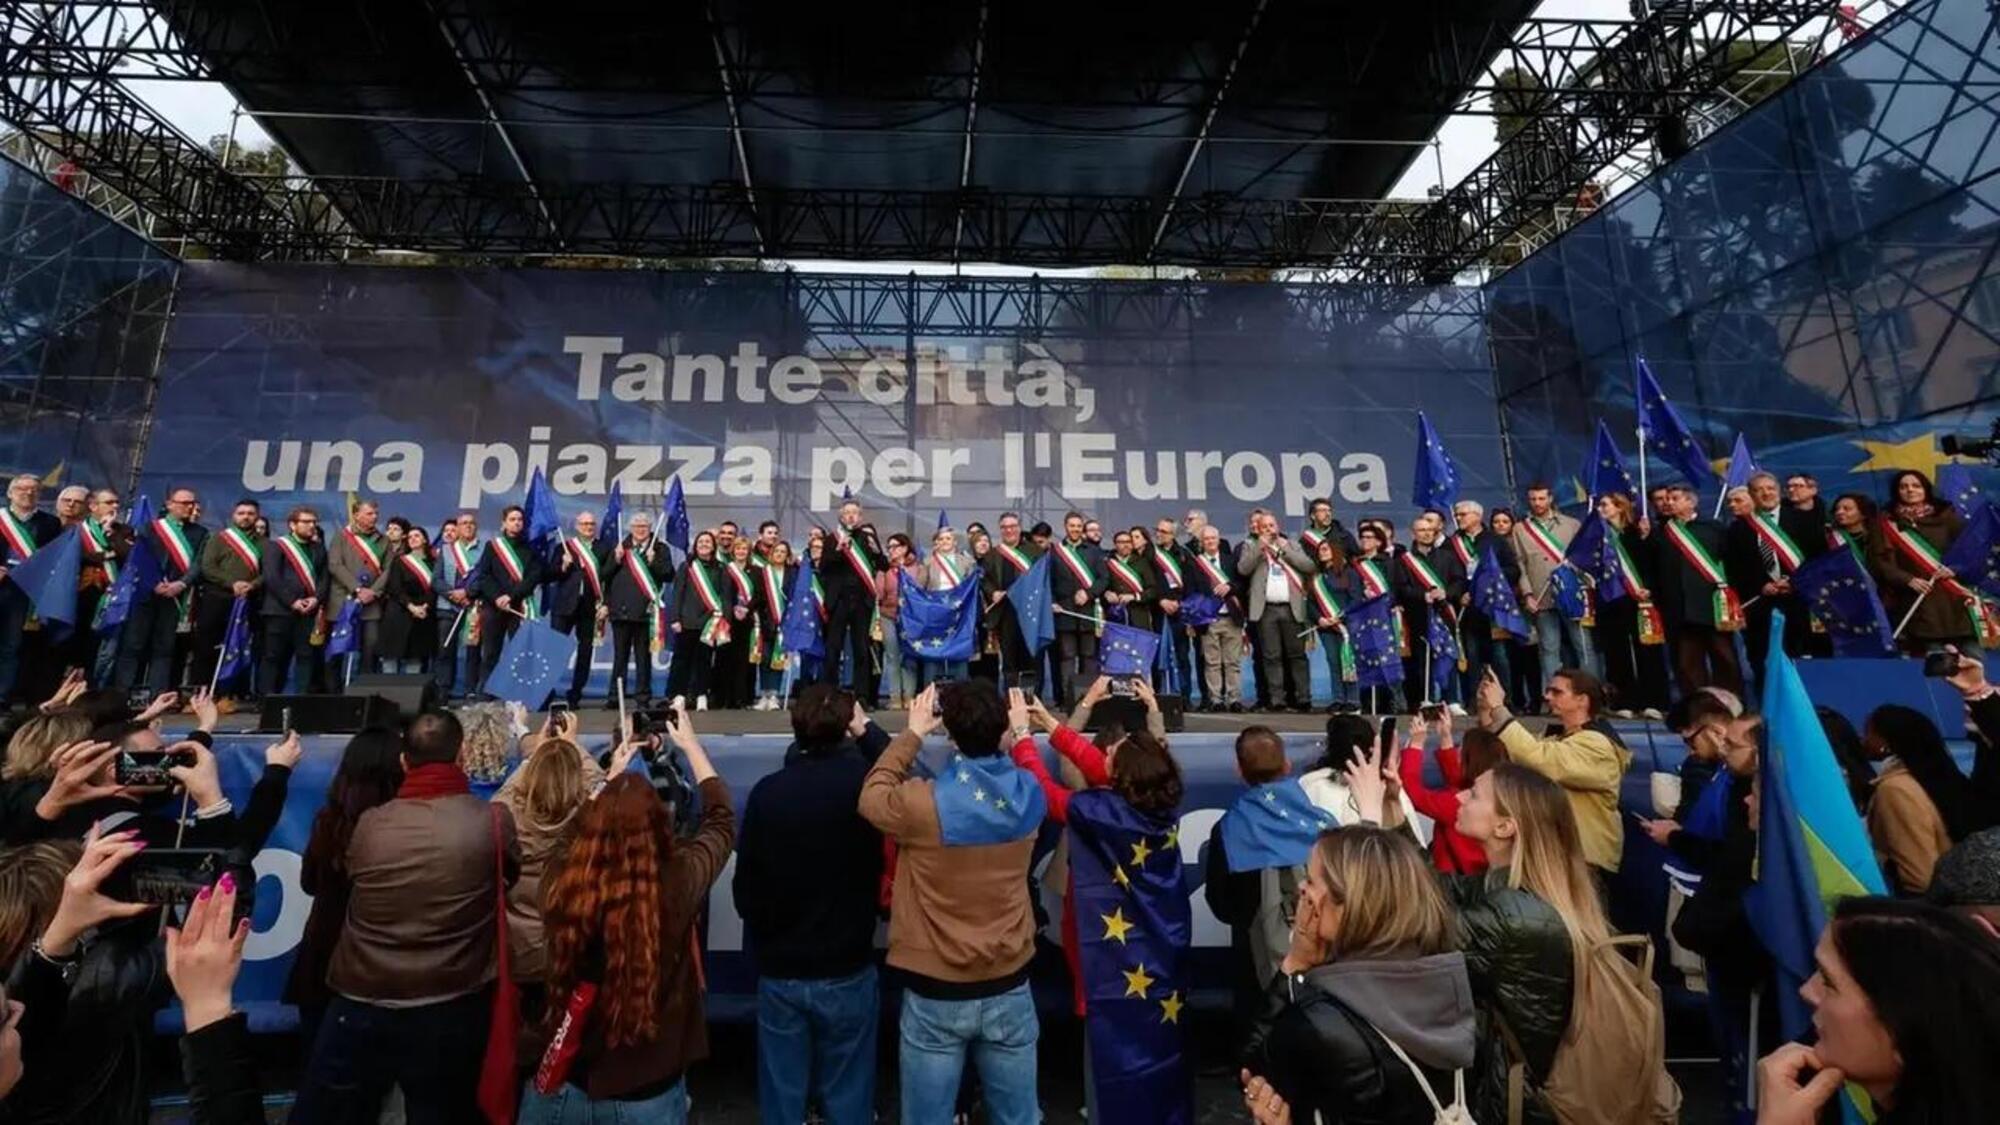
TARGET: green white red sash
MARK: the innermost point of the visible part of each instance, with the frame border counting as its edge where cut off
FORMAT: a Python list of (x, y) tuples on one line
[(1727, 608), (174, 542), (745, 590), (1312, 537), (1544, 540), (1292, 579), (1926, 560), (858, 559), (245, 548), (1169, 569), (1788, 554), (586, 561), (772, 580), (819, 599), (1324, 599), (510, 559), (715, 631), (100, 548), (20, 535), (461, 563), (1015, 556), (656, 612), (1420, 569), (1127, 575), (295, 555), (951, 572), (1652, 628), (368, 551), (1461, 545), (1211, 572), (1079, 569), (1374, 583), (420, 570)]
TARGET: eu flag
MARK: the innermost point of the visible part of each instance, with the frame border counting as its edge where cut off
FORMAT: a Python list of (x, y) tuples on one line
[(1608, 475), (1133, 930), (676, 520), (1955, 483), (609, 531), (531, 665), (1666, 433), (986, 800), (1494, 596), (345, 636), (1442, 644), (1371, 626), (1128, 651), (937, 624), (1843, 597), (1592, 552), (137, 577), (801, 624), (1975, 555), (234, 659), (544, 528), (1033, 607), (1271, 825), (1812, 848), (1742, 466), (1437, 474), (48, 577)]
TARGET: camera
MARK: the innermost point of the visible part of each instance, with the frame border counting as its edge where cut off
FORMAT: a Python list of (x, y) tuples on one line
[(1987, 447), (149, 767), (1940, 665)]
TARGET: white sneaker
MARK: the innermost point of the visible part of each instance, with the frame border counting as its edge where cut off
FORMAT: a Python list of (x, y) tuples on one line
[(1652, 714), (701, 703), (1455, 709), (770, 703)]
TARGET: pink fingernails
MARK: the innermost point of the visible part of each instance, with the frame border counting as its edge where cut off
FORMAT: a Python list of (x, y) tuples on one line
[(203, 896), (227, 884)]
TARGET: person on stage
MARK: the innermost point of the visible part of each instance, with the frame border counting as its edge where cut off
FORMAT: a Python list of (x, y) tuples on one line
[(107, 541), (1077, 580), (943, 569), (701, 623), (505, 580), (1168, 562), (458, 617), (1540, 538), (1132, 588), (1274, 571), (1210, 570), (735, 677), (146, 645), (358, 559), (295, 582), (24, 527), (1760, 552), (409, 636), (1697, 605), (774, 596), (853, 559), (1009, 559), (640, 568), (1322, 527), (232, 567), (1428, 580), (579, 607), (1476, 641)]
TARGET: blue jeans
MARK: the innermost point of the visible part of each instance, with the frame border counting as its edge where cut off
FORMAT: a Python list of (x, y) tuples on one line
[(898, 676), (1344, 691), (1551, 626), (999, 1032), (931, 671), (569, 1106), (817, 1038), (433, 1052)]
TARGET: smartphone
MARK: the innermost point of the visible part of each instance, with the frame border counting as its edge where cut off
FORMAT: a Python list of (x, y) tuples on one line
[(558, 707), (148, 767), (138, 699), (171, 877), (1389, 733), (285, 719), (1939, 665), (1123, 687), (1431, 712)]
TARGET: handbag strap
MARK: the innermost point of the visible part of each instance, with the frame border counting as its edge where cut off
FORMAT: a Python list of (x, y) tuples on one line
[(500, 899), (1457, 1076)]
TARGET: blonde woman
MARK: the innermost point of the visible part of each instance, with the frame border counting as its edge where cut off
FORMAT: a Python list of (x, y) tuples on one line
[(36, 741), (488, 750), (1374, 1014), (945, 568), (1524, 923), (544, 796)]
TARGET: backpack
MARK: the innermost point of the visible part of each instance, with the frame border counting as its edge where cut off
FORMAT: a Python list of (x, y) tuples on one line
[(1271, 927), (1454, 1114), (1611, 1066)]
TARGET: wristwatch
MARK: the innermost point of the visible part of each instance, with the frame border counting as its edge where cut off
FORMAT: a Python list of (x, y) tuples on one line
[(1023, 732)]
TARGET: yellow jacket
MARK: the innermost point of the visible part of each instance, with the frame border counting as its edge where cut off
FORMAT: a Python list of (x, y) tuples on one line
[(1588, 764)]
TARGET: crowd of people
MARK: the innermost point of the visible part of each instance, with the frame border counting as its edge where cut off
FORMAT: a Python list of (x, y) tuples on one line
[(445, 603)]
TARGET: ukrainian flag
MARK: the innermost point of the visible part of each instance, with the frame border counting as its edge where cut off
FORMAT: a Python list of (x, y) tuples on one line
[(1812, 848)]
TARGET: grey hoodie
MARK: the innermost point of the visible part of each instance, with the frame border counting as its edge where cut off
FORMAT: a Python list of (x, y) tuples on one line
[(1422, 1004)]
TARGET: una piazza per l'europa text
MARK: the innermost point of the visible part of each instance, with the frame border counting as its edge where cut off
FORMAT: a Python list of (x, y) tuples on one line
[(1081, 465)]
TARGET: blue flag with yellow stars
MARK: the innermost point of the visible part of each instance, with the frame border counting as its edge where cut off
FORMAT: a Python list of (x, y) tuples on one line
[(1442, 643), (1272, 825), (1975, 555), (1436, 485), (1133, 929), (1955, 483), (1034, 609), (1608, 475), (1667, 434), (1843, 597), (532, 663), (987, 800), (1129, 651), (1372, 628), (1592, 551), (937, 624), (1494, 596)]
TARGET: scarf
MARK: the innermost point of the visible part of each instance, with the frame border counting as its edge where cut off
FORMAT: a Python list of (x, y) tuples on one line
[(434, 779), (1911, 513)]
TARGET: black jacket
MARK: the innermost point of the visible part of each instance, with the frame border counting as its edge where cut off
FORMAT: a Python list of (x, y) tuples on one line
[(1410, 592), (1143, 613), (43, 528), (1713, 923), (1064, 584), (491, 580), (1518, 955), (573, 597), (623, 593), (761, 604), (689, 610), (221, 1075), (282, 584), (1682, 595), (843, 585), (1334, 531), (808, 868), (85, 1053)]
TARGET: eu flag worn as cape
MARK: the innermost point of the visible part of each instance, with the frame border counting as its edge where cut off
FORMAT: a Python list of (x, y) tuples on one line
[(234, 659), (1494, 596), (1128, 651), (1437, 475), (937, 624), (1272, 825), (1133, 929), (48, 577), (531, 664), (1812, 848), (1033, 607), (1975, 555), (676, 529), (1608, 475), (137, 577), (801, 624), (1371, 627), (1667, 434), (1843, 597), (986, 800), (345, 636)]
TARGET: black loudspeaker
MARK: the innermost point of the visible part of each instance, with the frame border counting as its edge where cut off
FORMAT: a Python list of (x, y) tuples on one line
[(326, 714), (411, 692), (1131, 714)]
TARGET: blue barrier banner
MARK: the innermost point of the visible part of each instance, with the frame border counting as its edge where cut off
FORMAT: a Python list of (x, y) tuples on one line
[(434, 390)]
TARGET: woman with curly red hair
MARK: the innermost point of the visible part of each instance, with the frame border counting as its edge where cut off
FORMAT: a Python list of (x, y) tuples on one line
[(619, 913)]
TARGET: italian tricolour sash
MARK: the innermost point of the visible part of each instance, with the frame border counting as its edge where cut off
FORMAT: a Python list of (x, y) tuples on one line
[(951, 572), (174, 542), (1374, 583), (19, 535), (1544, 540), (461, 563), (368, 551), (1016, 557), (774, 600), (100, 548), (656, 613), (510, 559), (465, 629), (586, 561), (1926, 560), (1292, 578), (1079, 568), (1461, 545), (1326, 605), (1788, 554), (419, 570), (1420, 569), (244, 548), (1727, 608), (714, 631), (740, 576), (1127, 576), (1169, 569), (295, 557), (858, 559), (1652, 630), (1211, 573)]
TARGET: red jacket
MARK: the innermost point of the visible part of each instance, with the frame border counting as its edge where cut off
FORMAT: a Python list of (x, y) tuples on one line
[(1089, 759), (1453, 853)]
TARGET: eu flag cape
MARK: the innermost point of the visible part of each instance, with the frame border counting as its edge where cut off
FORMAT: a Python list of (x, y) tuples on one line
[(1272, 825)]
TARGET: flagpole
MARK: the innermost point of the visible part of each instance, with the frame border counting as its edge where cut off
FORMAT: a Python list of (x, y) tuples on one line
[(1900, 625)]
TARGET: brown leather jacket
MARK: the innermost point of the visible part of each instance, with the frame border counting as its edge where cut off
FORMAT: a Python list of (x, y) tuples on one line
[(420, 916)]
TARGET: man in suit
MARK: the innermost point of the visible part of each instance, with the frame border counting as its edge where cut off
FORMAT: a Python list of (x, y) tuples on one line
[(505, 579), (1541, 536), (1210, 570), (1694, 596), (1275, 571), (231, 567), (1077, 580), (358, 561), (852, 562), (1475, 630), (23, 528), (1427, 580), (1321, 526), (294, 573), (579, 606), (459, 552), (1760, 552), (1169, 565), (147, 642), (1003, 566), (639, 569)]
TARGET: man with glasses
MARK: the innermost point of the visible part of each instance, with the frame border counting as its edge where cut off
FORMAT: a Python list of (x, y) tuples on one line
[(159, 617), (295, 587)]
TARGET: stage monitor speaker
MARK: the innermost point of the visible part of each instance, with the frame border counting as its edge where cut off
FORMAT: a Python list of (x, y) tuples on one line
[(1131, 714), (411, 692), (326, 714)]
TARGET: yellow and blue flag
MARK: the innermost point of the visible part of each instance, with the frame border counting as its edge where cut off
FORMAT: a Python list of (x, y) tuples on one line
[(1129, 651), (48, 577), (1373, 628), (937, 624), (1033, 607)]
